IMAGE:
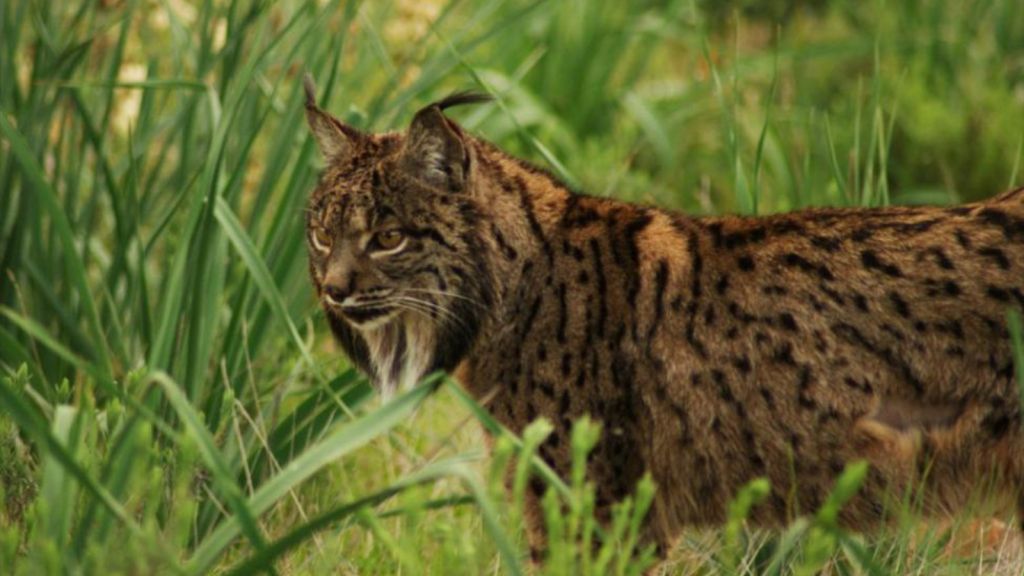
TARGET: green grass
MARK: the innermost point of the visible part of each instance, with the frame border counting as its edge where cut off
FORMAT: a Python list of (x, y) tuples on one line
[(171, 401)]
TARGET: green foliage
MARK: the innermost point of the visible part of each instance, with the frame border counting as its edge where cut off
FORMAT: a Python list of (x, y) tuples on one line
[(739, 510), (18, 462), (169, 392), (575, 544)]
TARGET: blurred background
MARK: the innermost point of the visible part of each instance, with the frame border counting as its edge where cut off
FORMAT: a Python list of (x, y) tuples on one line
[(167, 379)]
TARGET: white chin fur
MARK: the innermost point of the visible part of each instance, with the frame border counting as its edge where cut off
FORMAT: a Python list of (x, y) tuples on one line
[(414, 362)]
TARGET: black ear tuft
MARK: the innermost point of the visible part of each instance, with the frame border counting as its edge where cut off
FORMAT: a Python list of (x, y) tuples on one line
[(310, 88), (461, 98), (334, 138)]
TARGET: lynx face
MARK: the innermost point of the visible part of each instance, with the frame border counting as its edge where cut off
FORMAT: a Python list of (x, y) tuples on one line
[(390, 248)]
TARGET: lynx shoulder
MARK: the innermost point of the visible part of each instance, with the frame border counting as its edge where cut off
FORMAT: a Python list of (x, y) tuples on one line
[(714, 350)]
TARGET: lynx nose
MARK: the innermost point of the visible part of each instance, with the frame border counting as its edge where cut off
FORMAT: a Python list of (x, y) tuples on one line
[(336, 294), (339, 282)]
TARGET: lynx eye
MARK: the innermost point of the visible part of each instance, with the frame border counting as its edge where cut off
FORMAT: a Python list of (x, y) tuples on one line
[(321, 239), (388, 239)]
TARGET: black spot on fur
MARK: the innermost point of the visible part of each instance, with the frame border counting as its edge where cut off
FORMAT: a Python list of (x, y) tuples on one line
[(997, 256), (787, 321), (941, 259), (742, 364), (871, 261), (798, 261), (722, 285), (901, 306), (860, 302), (825, 243)]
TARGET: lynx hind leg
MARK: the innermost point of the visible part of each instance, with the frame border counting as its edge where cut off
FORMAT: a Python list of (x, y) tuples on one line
[(962, 452), (886, 440), (881, 443), (908, 442)]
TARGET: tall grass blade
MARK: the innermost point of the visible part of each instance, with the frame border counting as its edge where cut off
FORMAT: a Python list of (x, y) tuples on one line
[(59, 221), (233, 228), (343, 441), (197, 431)]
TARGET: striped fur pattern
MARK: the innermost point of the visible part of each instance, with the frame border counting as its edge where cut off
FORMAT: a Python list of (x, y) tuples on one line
[(714, 350)]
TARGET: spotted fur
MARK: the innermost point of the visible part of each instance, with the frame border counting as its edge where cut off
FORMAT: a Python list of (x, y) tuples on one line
[(715, 350)]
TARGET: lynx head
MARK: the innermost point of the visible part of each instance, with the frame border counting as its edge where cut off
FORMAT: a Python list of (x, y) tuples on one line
[(391, 230)]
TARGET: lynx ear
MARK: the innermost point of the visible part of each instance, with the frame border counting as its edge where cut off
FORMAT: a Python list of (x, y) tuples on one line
[(334, 138), (434, 150)]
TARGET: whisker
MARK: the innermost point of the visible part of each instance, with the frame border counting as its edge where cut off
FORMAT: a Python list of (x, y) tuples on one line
[(417, 307), (445, 293), (408, 308), (429, 306)]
